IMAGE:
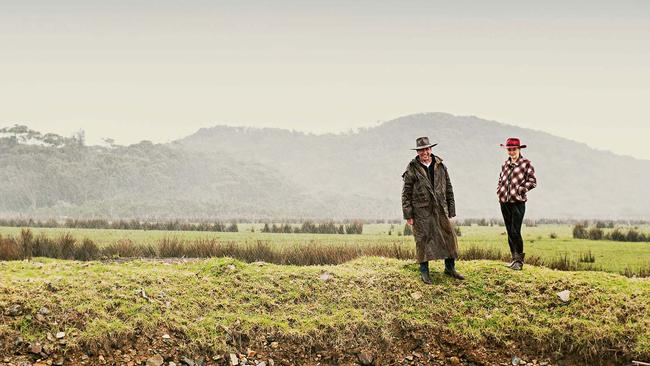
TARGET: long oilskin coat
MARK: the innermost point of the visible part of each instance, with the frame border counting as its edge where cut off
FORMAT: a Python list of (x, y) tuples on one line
[(430, 207)]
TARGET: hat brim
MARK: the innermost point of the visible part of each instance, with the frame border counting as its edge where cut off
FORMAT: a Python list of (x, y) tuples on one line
[(511, 146), (424, 147)]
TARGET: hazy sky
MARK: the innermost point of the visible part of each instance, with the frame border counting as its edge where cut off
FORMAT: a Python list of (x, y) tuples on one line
[(159, 70)]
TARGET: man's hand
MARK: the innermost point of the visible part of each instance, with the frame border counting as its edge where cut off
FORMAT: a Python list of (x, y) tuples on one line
[(410, 222)]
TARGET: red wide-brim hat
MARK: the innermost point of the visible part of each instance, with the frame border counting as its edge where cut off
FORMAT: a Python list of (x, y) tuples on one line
[(513, 142)]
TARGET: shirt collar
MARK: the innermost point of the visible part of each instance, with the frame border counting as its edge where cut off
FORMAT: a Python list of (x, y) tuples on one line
[(516, 163)]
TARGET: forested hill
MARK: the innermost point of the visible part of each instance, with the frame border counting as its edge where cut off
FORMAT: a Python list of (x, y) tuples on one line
[(238, 172)]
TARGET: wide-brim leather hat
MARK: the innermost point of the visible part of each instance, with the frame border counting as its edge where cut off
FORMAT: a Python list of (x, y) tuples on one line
[(513, 142), (422, 143)]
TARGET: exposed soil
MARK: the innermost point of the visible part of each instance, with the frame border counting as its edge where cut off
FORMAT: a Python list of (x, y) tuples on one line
[(413, 346)]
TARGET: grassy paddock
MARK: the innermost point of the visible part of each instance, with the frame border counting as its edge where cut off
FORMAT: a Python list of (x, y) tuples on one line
[(200, 302), (545, 244)]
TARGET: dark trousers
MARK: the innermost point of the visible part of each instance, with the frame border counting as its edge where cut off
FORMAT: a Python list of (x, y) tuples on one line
[(513, 216)]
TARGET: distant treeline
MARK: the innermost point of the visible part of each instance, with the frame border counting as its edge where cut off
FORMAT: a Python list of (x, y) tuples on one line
[(583, 231), (330, 227), (175, 225), (534, 222), (309, 227)]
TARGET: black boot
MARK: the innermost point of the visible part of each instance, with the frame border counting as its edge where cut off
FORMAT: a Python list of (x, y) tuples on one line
[(424, 273), (450, 269), (453, 273), (425, 277)]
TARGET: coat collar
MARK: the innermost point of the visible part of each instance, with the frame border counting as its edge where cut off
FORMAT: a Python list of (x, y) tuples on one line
[(423, 176)]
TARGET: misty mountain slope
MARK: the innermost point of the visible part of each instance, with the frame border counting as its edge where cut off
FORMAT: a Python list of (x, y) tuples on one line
[(574, 179), (228, 172), (142, 180)]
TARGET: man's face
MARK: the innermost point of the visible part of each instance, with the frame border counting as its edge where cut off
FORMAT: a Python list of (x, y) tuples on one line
[(424, 154)]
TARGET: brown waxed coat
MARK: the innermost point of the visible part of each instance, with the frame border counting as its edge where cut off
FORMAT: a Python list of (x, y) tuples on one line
[(430, 208)]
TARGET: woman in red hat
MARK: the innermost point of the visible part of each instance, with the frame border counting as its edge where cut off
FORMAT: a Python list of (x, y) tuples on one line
[(516, 179)]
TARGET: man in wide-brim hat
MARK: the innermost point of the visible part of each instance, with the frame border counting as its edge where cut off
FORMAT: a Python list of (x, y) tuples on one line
[(517, 178), (428, 204)]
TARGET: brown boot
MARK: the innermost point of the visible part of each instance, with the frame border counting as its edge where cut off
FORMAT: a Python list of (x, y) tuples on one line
[(518, 265)]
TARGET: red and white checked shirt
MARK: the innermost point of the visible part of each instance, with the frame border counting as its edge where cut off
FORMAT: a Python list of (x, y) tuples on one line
[(516, 180)]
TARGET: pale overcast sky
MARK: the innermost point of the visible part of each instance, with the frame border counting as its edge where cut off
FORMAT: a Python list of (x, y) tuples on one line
[(159, 70)]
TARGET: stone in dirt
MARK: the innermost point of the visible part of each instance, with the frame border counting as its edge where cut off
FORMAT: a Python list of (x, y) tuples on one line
[(271, 362), (365, 358), (516, 361), (234, 360), (35, 348), (59, 361), (156, 360), (166, 336), (416, 295), (44, 311), (326, 277), (14, 310), (186, 361), (454, 360), (564, 295), (60, 335)]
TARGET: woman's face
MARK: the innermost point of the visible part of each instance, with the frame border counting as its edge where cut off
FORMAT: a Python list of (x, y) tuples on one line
[(424, 154), (513, 152)]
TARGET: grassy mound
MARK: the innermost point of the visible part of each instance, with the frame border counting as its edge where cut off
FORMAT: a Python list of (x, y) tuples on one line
[(369, 306)]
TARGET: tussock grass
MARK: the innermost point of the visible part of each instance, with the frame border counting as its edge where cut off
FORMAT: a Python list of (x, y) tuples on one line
[(313, 252), (587, 257)]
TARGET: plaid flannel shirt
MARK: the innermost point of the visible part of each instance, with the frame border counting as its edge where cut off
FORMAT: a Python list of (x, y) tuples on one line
[(515, 180)]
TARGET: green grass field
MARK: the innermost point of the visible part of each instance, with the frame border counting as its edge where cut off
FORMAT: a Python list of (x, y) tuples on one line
[(609, 256)]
